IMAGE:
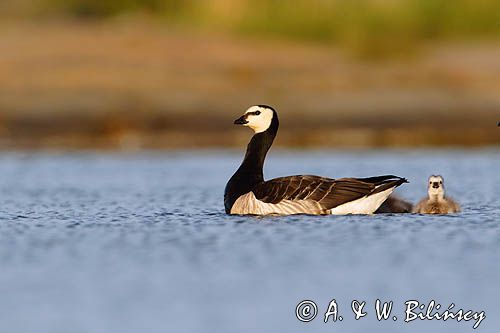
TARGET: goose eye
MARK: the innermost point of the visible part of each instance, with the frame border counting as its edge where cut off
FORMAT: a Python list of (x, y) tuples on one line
[(257, 113)]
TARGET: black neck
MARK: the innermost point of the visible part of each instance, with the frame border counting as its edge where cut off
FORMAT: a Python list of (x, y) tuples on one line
[(250, 172), (253, 163)]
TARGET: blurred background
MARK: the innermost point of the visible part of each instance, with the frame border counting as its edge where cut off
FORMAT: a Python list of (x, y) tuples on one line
[(163, 74)]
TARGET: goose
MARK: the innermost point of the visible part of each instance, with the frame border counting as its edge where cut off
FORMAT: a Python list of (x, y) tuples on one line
[(394, 204), (247, 193), (436, 202)]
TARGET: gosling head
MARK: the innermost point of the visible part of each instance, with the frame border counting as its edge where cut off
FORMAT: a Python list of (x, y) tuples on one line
[(436, 186), (258, 117)]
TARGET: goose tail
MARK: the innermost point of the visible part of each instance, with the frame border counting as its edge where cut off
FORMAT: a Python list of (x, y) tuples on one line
[(386, 182)]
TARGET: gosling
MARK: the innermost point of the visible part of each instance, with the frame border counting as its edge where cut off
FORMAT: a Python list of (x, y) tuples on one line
[(437, 202)]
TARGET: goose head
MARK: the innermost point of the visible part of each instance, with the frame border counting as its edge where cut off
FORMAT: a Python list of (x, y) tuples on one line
[(258, 117), (436, 186)]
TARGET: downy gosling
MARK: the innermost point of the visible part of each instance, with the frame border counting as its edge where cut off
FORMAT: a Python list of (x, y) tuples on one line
[(436, 202)]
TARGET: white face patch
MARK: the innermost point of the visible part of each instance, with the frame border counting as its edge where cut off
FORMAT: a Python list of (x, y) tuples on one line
[(436, 185), (258, 118)]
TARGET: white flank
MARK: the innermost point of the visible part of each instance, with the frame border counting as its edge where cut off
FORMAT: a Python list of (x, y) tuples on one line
[(365, 205), (248, 204)]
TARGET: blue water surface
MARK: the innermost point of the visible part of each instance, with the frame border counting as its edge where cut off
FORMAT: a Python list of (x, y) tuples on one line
[(97, 242)]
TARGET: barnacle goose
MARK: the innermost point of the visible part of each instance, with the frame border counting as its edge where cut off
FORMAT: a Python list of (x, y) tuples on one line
[(247, 193), (436, 202)]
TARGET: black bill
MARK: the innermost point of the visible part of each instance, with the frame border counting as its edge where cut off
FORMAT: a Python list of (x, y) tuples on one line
[(241, 120)]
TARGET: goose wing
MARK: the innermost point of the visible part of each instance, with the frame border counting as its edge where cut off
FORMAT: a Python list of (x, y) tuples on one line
[(328, 193)]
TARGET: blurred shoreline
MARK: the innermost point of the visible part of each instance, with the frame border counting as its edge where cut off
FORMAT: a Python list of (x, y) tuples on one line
[(113, 85)]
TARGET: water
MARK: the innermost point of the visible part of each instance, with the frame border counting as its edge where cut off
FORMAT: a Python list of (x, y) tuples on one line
[(140, 243)]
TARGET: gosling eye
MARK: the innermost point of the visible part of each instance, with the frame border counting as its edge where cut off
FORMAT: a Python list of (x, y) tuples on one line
[(257, 113), (440, 183)]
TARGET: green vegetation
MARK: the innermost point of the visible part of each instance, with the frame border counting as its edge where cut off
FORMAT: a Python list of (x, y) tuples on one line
[(368, 26), (107, 8)]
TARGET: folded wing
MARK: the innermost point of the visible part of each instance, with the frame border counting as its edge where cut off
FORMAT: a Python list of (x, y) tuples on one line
[(326, 193)]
